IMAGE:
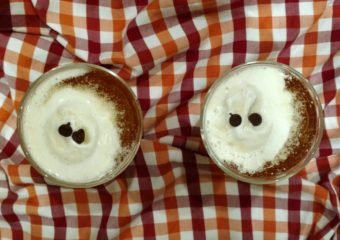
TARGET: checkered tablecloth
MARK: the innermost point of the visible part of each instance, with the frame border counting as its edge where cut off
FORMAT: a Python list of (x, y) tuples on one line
[(170, 52)]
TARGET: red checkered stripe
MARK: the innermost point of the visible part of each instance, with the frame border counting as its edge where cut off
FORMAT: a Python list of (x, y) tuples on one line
[(173, 55)]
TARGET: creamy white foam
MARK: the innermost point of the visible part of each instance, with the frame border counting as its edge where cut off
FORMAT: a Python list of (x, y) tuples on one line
[(51, 106), (256, 89)]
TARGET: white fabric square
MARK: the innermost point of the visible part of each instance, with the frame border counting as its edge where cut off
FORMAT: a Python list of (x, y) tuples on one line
[(176, 32), (152, 41), (323, 49), (105, 13), (331, 122), (226, 59), (227, 37), (200, 22), (207, 188), (307, 215), (156, 92), (20, 209), (172, 122), (44, 210), (157, 182), (34, 74), (10, 69), (281, 213), (56, 27), (129, 50), (202, 63), (106, 57), (130, 12), (259, 234), (211, 234), (40, 54), (209, 212), (14, 44), (142, 18), (235, 235), (253, 34), (234, 213), (175, 155), (186, 234), (324, 24), (251, 57), (279, 34), (54, 6), (179, 67), (306, 8), (150, 157), (106, 37), (278, 9), (296, 50), (81, 33), (71, 233), (47, 231), (257, 213), (225, 16), (134, 208), (82, 54), (162, 237), (205, 44), (181, 190), (17, 8), (337, 81), (160, 217), (184, 213), (281, 235), (79, 9), (95, 209), (252, 10)]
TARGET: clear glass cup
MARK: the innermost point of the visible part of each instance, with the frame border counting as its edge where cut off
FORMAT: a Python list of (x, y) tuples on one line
[(301, 163), (107, 176)]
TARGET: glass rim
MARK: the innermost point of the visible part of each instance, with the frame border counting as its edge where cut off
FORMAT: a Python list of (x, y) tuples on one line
[(109, 175), (294, 169)]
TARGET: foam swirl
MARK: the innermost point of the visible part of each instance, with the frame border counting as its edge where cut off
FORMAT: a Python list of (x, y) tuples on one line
[(260, 90), (84, 109)]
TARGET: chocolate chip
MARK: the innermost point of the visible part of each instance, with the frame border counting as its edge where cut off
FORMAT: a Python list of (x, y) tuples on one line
[(65, 130), (235, 120), (79, 136), (255, 119)]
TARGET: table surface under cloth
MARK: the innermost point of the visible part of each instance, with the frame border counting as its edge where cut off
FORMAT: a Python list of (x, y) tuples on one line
[(169, 52)]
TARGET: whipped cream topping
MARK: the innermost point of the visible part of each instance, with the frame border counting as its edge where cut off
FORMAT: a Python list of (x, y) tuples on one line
[(54, 104), (255, 90)]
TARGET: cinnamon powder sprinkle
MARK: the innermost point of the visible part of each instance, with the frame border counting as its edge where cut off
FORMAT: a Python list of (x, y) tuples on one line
[(303, 138), (116, 93)]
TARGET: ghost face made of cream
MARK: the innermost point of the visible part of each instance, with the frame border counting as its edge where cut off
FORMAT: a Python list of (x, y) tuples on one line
[(246, 124)]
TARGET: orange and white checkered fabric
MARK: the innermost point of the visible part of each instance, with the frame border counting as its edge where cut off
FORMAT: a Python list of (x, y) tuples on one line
[(170, 52)]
